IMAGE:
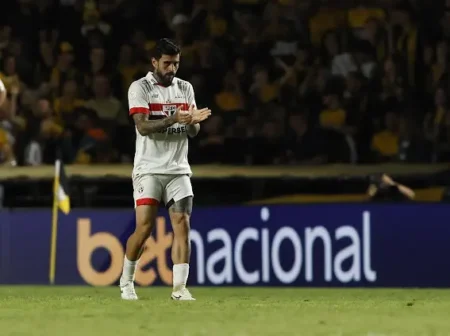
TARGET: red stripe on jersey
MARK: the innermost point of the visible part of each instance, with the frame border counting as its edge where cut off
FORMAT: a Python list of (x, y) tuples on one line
[(135, 110), (155, 107), (147, 201)]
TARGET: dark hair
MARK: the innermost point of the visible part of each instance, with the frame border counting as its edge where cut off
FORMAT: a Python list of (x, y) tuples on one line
[(166, 46)]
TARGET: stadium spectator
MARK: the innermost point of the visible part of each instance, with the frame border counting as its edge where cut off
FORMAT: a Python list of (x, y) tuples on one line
[(384, 189), (257, 63)]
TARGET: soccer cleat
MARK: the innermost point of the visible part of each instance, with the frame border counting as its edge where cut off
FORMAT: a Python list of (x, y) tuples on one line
[(182, 295), (127, 291)]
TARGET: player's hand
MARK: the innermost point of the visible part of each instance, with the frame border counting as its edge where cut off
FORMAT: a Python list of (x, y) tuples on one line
[(182, 117), (387, 180), (199, 115)]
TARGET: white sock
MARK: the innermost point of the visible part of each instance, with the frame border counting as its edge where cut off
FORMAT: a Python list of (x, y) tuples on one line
[(180, 276), (129, 270)]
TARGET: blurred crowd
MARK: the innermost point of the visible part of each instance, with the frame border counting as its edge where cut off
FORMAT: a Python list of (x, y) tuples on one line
[(288, 81)]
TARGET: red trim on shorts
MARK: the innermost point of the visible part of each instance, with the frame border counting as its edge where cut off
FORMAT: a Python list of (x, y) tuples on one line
[(135, 110), (147, 201)]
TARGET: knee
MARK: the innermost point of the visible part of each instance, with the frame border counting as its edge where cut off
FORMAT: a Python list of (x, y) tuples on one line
[(144, 228), (181, 225)]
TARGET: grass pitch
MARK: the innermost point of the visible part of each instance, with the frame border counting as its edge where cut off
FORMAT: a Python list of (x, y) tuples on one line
[(67, 311)]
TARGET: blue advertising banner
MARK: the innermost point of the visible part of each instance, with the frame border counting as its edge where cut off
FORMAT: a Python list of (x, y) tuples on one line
[(299, 245)]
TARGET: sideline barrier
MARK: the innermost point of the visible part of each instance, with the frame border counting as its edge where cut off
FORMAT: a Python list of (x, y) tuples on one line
[(109, 186), (226, 171), (339, 245)]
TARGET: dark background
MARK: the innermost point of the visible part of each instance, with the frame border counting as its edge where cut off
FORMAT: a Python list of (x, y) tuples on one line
[(289, 82)]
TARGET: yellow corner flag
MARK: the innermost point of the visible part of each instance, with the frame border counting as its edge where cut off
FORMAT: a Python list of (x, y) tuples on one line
[(61, 200)]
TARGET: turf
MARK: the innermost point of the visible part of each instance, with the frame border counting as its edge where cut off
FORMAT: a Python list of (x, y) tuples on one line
[(66, 311)]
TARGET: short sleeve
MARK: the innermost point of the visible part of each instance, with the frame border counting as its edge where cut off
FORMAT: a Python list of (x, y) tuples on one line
[(190, 95), (137, 99)]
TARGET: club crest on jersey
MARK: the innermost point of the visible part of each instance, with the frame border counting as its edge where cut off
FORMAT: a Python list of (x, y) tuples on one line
[(169, 109)]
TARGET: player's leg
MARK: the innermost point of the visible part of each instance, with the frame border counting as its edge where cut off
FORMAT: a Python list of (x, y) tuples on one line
[(147, 194), (180, 199)]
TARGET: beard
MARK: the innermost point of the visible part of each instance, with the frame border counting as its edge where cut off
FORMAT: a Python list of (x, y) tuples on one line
[(165, 79)]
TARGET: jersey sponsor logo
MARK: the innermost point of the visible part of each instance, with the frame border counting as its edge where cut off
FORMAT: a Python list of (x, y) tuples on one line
[(174, 130), (339, 254), (155, 249)]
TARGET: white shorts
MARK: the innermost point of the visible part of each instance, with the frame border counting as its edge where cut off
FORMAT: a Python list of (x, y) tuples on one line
[(151, 189)]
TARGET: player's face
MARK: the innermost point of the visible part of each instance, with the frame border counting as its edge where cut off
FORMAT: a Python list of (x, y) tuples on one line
[(166, 68)]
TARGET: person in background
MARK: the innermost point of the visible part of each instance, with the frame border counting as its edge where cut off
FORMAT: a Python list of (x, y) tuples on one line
[(334, 115), (385, 144), (94, 145), (7, 156), (9, 74), (108, 108), (230, 98), (6, 148), (65, 105), (2, 92), (305, 145), (384, 189), (210, 143), (64, 68), (44, 130), (127, 66)]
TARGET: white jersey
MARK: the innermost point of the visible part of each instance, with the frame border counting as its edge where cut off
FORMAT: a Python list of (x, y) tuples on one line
[(164, 152)]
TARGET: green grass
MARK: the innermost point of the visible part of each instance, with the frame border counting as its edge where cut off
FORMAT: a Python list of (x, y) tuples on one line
[(66, 311)]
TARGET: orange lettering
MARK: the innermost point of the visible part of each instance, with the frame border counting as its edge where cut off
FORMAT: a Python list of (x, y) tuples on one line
[(87, 244), (156, 249)]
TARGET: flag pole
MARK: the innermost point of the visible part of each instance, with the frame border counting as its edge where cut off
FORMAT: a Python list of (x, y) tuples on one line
[(52, 269)]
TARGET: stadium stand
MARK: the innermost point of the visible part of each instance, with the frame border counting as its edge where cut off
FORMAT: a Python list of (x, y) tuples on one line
[(289, 82)]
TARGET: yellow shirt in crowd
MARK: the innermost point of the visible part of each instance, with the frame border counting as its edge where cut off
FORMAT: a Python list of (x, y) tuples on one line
[(324, 20), (385, 143), (357, 17), (334, 118), (63, 107), (229, 101), (3, 137), (9, 81)]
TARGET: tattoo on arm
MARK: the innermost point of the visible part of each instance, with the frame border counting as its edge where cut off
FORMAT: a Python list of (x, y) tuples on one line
[(192, 130), (146, 127)]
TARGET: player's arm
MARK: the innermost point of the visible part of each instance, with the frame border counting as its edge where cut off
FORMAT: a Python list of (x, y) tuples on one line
[(146, 127), (139, 109), (192, 130), (197, 115)]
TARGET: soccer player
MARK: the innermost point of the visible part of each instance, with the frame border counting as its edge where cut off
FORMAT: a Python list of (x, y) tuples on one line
[(164, 111)]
